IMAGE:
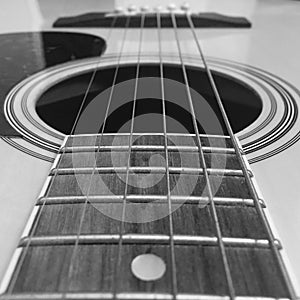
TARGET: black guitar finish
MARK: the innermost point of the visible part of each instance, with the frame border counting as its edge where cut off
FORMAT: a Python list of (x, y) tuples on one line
[(23, 54)]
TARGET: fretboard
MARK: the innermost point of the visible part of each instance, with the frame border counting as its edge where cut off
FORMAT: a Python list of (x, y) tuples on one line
[(96, 214)]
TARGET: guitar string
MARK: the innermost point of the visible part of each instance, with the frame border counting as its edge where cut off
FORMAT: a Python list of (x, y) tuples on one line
[(110, 99), (118, 265), (252, 189), (203, 162), (42, 206), (173, 261)]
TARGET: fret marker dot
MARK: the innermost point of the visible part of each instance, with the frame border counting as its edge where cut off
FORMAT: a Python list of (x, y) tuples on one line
[(148, 267)]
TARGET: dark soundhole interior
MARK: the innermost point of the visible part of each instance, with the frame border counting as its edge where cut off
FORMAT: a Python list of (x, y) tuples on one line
[(59, 105)]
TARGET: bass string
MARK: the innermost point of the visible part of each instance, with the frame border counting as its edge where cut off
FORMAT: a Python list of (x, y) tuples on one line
[(39, 213), (110, 99), (203, 162), (171, 230), (122, 229), (253, 191)]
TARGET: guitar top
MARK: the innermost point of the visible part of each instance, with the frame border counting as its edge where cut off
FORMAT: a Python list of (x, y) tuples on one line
[(149, 151)]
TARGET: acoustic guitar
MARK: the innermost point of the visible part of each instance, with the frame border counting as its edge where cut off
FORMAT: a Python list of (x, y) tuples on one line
[(135, 143)]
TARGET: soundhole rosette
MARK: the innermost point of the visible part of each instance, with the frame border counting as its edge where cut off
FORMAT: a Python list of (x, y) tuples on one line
[(275, 129)]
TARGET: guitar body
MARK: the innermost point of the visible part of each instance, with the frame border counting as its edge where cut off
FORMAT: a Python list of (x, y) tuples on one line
[(264, 58)]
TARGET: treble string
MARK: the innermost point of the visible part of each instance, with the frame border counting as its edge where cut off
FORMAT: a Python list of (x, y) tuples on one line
[(253, 191), (173, 261), (43, 204), (203, 162), (121, 233)]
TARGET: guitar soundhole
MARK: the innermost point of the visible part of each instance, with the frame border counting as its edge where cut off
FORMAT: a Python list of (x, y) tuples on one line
[(59, 105), (148, 267)]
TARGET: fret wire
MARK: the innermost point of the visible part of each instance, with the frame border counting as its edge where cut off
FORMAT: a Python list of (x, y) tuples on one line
[(154, 133), (149, 148), (119, 255), (36, 221), (172, 248), (125, 296), (253, 191), (143, 170), (147, 198), (212, 206), (158, 239)]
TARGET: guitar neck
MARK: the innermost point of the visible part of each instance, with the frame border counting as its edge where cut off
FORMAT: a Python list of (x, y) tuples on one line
[(79, 232)]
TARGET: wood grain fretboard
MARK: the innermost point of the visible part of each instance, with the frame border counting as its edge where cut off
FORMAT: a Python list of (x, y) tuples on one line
[(67, 220)]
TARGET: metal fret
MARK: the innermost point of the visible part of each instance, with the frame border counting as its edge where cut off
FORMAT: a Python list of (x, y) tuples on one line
[(145, 199), (149, 134), (191, 171), (124, 296), (157, 239), (146, 148)]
